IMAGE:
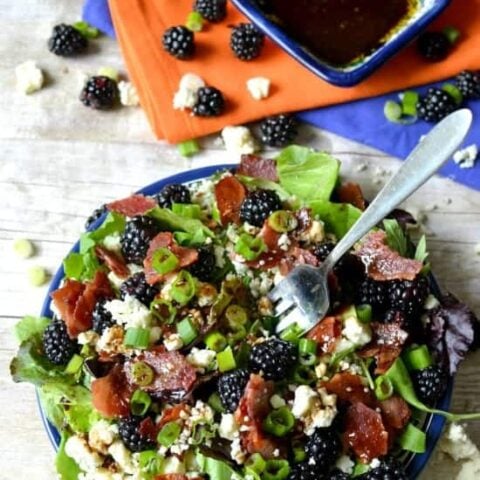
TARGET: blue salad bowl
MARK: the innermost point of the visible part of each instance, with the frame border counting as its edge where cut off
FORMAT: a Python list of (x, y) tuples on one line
[(355, 72), (432, 424)]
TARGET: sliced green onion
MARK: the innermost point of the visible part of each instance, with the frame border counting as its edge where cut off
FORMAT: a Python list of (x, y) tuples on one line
[(282, 221), (164, 261), (137, 338), (249, 247), (292, 333), (142, 373), (37, 275), (454, 92), (86, 30), (236, 315), (109, 72), (364, 313), (226, 360), (299, 453), (23, 248), (304, 375), (187, 330), (360, 469), (216, 341), (188, 210), (392, 111), (194, 22), (409, 103), (163, 311), (413, 439), (452, 34), (383, 387), (307, 349), (183, 287), (418, 358), (238, 333), (365, 365), (279, 422), (269, 323), (188, 148), (74, 365), (215, 402), (256, 463), (140, 402), (276, 470), (168, 434), (150, 462)]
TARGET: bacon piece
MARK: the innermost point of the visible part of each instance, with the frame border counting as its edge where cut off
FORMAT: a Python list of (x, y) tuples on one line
[(114, 261), (229, 193), (270, 237), (65, 299), (148, 428), (172, 414), (174, 376), (395, 412), (365, 433), (254, 406), (383, 263), (257, 167), (350, 388), (134, 205), (351, 193), (95, 290), (267, 260), (326, 333), (186, 256), (111, 394), (297, 256), (386, 345)]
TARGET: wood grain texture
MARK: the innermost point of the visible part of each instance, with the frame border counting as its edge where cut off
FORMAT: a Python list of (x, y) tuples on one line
[(61, 160)]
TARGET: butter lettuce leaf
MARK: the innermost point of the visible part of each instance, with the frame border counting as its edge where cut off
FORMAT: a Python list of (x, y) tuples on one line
[(176, 223), (216, 469), (337, 217), (67, 468), (30, 327)]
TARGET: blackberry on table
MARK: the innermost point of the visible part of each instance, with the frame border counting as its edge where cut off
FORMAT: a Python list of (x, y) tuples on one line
[(373, 293), (388, 470), (58, 347), (101, 317), (430, 383), (173, 193), (210, 102), (204, 267), (129, 431), (246, 41), (468, 83), (304, 471), (66, 41), (139, 231), (211, 10), (433, 46), (137, 286), (230, 388), (100, 93), (95, 215), (435, 105), (323, 448), (179, 42), (273, 358), (408, 296), (278, 130), (258, 206)]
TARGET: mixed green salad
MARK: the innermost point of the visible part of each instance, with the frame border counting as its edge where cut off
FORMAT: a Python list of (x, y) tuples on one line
[(160, 358)]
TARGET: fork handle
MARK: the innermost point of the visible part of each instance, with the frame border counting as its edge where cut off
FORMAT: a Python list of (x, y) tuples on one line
[(426, 158)]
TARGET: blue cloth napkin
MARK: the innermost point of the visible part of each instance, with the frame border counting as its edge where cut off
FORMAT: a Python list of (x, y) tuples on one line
[(362, 121)]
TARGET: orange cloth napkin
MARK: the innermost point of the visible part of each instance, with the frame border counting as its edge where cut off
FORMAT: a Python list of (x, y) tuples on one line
[(140, 24)]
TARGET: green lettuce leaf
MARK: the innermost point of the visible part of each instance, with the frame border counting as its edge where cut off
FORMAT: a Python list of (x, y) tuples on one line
[(396, 238), (176, 223), (306, 173), (266, 184), (30, 327), (67, 468), (216, 469), (337, 217)]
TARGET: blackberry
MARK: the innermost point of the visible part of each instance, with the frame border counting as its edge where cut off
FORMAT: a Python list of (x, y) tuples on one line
[(57, 345), (99, 92), (388, 470), (204, 267), (95, 215), (468, 83), (173, 193), (137, 286), (246, 41), (136, 238), (210, 102), (66, 41), (258, 205), (323, 250), (435, 105), (279, 130), (102, 318), (230, 388), (337, 475), (323, 448), (211, 10), (273, 358), (373, 293), (304, 471), (433, 46), (179, 42), (430, 383), (408, 296), (129, 431)]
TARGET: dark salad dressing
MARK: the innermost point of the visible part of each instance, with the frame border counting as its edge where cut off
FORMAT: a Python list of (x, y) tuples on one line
[(339, 31)]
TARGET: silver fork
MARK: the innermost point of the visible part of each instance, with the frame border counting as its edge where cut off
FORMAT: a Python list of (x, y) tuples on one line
[(302, 297)]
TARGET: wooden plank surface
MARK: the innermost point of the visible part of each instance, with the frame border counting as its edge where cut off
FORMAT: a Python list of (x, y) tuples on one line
[(61, 160)]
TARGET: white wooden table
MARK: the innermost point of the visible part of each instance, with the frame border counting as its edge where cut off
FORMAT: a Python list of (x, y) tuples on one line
[(60, 160)]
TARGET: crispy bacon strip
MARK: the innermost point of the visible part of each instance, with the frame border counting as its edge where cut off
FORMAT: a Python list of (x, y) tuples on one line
[(134, 205), (257, 167), (114, 261), (229, 193), (351, 193), (326, 333), (350, 388), (65, 299)]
